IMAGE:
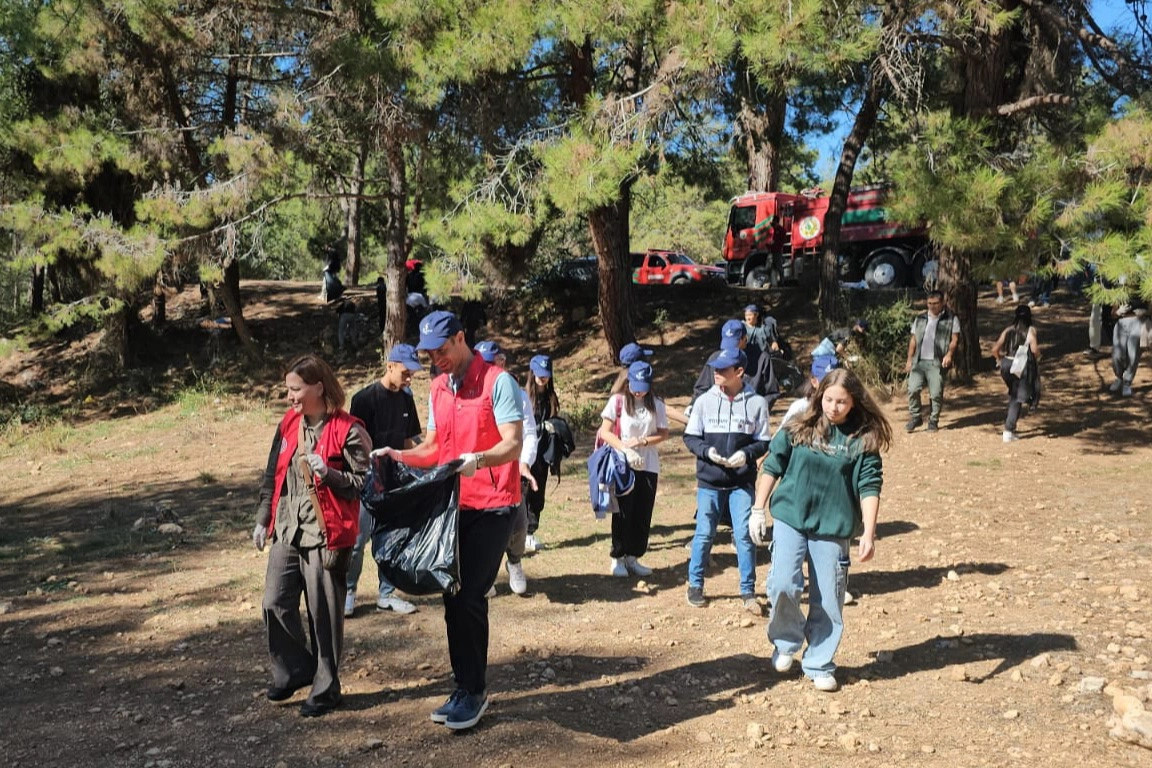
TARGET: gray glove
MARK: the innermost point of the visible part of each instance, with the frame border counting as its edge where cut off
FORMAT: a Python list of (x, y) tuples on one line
[(260, 537), (737, 460), (758, 526), (471, 461), (317, 465), (715, 457)]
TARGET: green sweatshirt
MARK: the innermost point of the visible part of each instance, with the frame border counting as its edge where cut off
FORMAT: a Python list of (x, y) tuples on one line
[(818, 492)]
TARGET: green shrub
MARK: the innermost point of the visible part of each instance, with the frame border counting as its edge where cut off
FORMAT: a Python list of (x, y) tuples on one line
[(882, 356)]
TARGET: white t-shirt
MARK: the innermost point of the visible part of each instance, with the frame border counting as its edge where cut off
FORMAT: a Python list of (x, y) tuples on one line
[(643, 423), (927, 345), (798, 408)]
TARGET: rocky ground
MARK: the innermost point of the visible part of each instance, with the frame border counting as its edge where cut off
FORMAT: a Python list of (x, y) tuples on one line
[(1005, 620)]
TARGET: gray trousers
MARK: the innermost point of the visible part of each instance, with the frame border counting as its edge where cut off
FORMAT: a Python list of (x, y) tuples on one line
[(1126, 348), (292, 572), (515, 549), (926, 372)]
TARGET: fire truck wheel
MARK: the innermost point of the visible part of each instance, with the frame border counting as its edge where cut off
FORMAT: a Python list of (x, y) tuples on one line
[(887, 268)]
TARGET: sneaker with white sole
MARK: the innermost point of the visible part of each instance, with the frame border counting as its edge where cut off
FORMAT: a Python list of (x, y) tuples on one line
[(618, 567), (825, 683), (782, 662), (751, 604), (393, 603), (440, 714), (636, 567), (468, 711), (350, 603), (530, 543), (696, 597), (1010, 436), (516, 578)]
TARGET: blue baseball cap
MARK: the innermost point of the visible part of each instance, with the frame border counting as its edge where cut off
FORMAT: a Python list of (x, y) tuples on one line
[(541, 365), (822, 364), (631, 353), (728, 357), (437, 328), (488, 350), (752, 308), (640, 377), (405, 354), (732, 333)]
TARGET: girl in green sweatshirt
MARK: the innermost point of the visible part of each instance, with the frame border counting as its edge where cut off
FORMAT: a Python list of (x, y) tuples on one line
[(823, 475)]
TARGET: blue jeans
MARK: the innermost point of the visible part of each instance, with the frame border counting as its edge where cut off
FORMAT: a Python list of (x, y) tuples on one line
[(827, 581), (708, 506), (356, 562)]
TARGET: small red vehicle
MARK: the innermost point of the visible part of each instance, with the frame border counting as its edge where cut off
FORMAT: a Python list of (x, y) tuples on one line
[(660, 267)]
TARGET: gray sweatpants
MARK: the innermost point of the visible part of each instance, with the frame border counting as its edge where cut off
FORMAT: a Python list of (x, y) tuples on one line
[(1126, 348)]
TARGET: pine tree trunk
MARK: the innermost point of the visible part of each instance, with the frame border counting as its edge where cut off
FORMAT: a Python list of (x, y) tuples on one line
[(395, 242), (609, 228), (229, 292), (831, 310), (959, 290), (762, 131), (352, 216)]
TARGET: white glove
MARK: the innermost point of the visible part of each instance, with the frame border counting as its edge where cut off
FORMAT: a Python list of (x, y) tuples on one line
[(317, 465), (260, 536), (471, 461), (549, 427), (737, 460), (635, 460), (715, 457), (757, 526)]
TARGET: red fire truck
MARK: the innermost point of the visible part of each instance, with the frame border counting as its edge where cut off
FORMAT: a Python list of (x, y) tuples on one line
[(775, 236)]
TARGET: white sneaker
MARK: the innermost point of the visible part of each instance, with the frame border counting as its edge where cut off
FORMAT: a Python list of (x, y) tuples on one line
[(1127, 391), (1010, 436), (516, 579), (825, 683), (782, 662), (1116, 385), (491, 593), (530, 543), (393, 603), (350, 603), (618, 567), (999, 299), (1016, 298), (636, 567)]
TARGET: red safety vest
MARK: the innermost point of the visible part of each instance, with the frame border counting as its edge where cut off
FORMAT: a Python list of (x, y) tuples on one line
[(466, 423), (340, 516)]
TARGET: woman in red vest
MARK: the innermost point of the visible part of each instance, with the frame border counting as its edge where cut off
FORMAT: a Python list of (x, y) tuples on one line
[(309, 508)]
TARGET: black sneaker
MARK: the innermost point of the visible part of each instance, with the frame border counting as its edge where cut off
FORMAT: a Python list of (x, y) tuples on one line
[(441, 713), (696, 597), (913, 422), (320, 708), (933, 426)]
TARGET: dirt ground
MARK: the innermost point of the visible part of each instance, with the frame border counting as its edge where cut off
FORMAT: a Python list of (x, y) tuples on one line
[(1011, 583)]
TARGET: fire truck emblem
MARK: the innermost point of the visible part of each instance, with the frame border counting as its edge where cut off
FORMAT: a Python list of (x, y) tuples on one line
[(809, 227)]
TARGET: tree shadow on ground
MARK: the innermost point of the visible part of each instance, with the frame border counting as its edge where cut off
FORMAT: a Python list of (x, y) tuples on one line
[(885, 582), (940, 652)]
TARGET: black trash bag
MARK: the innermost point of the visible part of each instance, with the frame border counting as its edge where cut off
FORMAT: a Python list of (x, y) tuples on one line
[(417, 514)]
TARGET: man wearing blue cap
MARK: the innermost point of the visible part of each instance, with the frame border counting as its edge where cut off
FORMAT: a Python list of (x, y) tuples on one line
[(727, 433), (474, 416), (388, 411), (761, 379)]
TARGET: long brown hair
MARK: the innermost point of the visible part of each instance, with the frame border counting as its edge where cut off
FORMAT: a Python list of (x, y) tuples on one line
[(545, 403), (872, 428), (312, 368)]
